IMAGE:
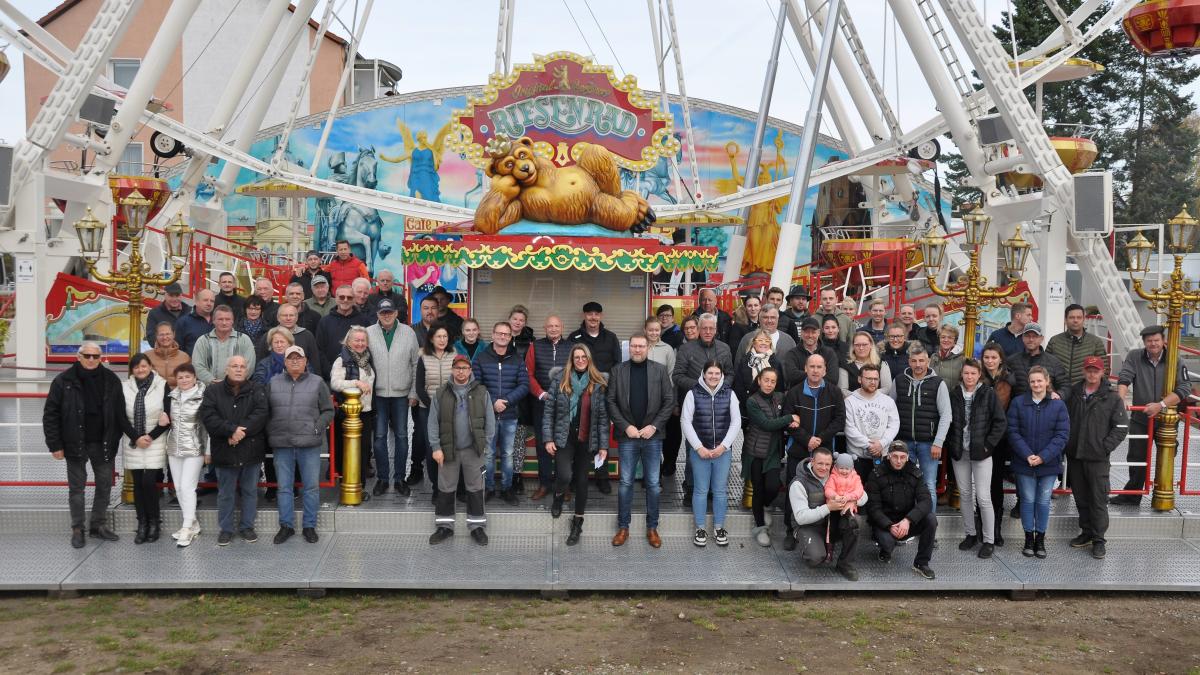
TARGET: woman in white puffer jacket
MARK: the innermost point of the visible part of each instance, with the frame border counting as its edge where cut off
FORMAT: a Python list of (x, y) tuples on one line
[(144, 423), (187, 448)]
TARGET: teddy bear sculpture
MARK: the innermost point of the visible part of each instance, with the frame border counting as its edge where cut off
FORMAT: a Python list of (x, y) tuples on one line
[(526, 186)]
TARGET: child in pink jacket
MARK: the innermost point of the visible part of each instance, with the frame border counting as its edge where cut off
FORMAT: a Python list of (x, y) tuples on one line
[(845, 484)]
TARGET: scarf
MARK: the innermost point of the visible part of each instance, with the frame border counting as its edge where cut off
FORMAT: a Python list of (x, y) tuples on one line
[(579, 383), (253, 328), (139, 404), (93, 386), (274, 365), (758, 363), (354, 362)]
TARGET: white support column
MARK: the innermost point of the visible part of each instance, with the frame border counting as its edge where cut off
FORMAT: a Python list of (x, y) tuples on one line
[(664, 100), (948, 102), (504, 37), (238, 83), (29, 340), (302, 88), (683, 100), (736, 248), (790, 231), (127, 119), (1048, 281), (296, 28), (837, 108)]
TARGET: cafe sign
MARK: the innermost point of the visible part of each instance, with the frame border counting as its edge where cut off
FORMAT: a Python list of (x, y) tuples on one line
[(560, 100)]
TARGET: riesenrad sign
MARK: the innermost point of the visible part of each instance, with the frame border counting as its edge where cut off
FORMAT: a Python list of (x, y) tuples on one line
[(559, 101)]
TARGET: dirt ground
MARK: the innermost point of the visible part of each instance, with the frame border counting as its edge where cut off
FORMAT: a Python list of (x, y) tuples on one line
[(419, 633)]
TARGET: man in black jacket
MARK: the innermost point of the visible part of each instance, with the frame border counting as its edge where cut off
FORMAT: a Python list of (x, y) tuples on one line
[(229, 295), (334, 326), (795, 360), (80, 425), (234, 411), (1035, 355), (822, 413), (169, 310), (640, 401), (706, 303), (1098, 425), (604, 345), (304, 274), (899, 507)]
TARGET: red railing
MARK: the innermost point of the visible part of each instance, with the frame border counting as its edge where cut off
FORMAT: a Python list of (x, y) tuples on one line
[(1184, 454)]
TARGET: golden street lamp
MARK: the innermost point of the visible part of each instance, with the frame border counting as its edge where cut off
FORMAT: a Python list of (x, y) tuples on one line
[(972, 288), (134, 276), (1172, 299)]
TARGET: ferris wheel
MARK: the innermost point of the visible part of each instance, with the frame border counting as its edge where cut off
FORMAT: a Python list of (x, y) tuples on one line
[(1024, 175)]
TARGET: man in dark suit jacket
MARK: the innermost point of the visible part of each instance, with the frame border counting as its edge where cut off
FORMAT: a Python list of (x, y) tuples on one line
[(640, 401)]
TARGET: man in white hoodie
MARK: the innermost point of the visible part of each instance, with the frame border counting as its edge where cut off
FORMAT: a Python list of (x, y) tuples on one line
[(872, 422)]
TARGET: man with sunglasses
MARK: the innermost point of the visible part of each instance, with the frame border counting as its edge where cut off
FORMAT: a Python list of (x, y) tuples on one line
[(334, 326), (79, 422)]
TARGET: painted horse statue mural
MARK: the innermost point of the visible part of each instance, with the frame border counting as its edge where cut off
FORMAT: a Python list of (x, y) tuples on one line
[(360, 226)]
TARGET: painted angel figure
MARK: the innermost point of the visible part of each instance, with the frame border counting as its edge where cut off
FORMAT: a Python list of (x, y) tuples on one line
[(423, 179)]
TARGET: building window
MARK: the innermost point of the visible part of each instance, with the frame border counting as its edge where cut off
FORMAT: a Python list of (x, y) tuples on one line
[(364, 83), (131, 160), (281, 209), (263, 209), (124, 70)]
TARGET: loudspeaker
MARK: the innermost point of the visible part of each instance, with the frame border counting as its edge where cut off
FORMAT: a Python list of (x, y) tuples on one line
[(97, 110), (993, 130), (6, 165), (1093, 204)]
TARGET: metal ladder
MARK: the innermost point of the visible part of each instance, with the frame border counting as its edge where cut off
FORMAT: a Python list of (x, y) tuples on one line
[(850, 33), (941, 39)]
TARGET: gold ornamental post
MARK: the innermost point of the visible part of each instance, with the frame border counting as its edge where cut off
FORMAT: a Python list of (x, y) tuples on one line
[(352, 493), (1172, 299), (973, 288), (135, 276)]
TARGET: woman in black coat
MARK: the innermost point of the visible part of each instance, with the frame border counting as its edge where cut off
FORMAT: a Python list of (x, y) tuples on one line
[(978, 425), (759, 355)]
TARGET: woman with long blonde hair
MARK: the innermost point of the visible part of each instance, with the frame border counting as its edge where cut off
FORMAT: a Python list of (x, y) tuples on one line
[(575, 426)]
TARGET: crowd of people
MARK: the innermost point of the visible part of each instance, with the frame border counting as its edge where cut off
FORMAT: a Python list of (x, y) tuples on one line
[(844, 426)]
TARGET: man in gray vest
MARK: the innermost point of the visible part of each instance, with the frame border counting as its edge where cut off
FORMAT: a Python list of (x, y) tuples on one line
[(462, 425), (815, 514), (301, 410)]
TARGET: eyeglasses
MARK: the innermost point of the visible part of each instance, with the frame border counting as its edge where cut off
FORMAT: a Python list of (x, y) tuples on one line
[(461, 368), (90, 357), (504, 335), (345, 297)]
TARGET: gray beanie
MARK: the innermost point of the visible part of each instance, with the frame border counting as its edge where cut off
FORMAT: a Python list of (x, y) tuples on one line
[(844, 461)]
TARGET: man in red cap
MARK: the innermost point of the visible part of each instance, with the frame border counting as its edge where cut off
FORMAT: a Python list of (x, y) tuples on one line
[(1098, 425)]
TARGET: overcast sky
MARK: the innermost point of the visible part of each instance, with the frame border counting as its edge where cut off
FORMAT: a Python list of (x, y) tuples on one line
[(724, 46)]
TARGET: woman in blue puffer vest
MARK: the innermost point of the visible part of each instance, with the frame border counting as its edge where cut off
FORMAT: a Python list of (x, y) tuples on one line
[(711, 419)]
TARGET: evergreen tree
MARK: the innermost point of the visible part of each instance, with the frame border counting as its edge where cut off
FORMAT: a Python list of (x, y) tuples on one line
[(1134, 110)]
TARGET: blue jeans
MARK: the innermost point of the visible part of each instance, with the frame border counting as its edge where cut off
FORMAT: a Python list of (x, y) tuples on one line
[(391, 413), (1034, 492), (923, 453), (309, 460), (710, 474), (649, 453), (233, 481), (506, 429)]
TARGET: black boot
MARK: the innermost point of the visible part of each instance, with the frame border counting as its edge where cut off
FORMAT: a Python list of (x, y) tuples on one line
[(153, 530), (1027, 550), (1039, 544), (576, 530), (999, 526), (140, 537), (556, 506)]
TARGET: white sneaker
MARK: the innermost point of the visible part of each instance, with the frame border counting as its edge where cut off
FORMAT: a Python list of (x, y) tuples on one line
[(196, 529), (185, 537), (178, 533), (761, 536)]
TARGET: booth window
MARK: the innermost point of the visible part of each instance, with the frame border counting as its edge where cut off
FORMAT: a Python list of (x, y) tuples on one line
[(124, 70)]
